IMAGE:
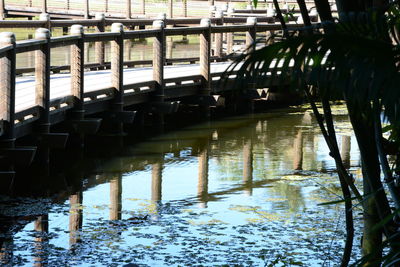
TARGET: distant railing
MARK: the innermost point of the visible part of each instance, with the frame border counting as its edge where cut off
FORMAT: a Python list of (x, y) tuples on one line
[(130, 8)]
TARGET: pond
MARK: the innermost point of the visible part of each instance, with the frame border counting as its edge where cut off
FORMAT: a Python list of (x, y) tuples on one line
[(243, 190)]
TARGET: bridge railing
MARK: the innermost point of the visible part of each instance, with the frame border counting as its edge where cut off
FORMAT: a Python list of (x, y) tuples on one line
[(126, 8), (48, 108)]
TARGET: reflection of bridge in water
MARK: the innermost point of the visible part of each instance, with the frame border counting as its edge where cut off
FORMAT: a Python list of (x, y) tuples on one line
[(203, 143)]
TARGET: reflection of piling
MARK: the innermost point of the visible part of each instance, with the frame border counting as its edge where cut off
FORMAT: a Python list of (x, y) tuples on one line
[(298, 151), (202, 186), (6, 251), (75, 218), (248, 166), (156, 180), (115, 198), (345, 151), (41, 225)]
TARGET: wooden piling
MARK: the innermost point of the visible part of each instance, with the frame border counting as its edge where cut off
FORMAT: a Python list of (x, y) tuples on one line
[(75, 218), (298, 151), (202, 185), (99, 46), (248, 166), (7, 92), (156, 181), (77, 70), (42, 77), (345, 151), (116, 197)]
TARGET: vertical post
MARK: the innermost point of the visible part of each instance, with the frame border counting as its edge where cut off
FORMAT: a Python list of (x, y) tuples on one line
[(185, 12), (202, 186), (251, 33), (158, 64), (156, 181), (77, 70), (2, 10), (86, 14), (298, 151), (44, 6), (99, 46), (105, 6), (170, 9), (42, 77), (248, 166), (345, 151), (218, 36), (211, 2), (75, 218), (205, 38), (7, 91), (68, 4), (115, 198), (229, 35), (117, 71), (45, 17), (128, 9), (41, 226), (143, 7)]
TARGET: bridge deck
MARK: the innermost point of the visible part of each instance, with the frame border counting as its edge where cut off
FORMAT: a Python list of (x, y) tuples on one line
[(60, 84)]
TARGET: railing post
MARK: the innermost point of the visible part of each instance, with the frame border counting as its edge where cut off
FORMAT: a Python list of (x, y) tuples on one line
[(229, 35), (77, 70), (212, 10), (143, 7), (117, 61), (205, 49), (158, 64), (219, 36), (170, 9), (45, 17), (44, 6), (128, 9), (251, 33), (86, 14), (99, 46), (2, 10), (185, 13), (7, 92), (42, 76)]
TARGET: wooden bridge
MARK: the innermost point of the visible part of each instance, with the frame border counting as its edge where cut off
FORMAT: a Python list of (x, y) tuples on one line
[(113, 91)]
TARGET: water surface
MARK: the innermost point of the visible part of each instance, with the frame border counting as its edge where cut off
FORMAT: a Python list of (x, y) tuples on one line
[(244, 190)]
